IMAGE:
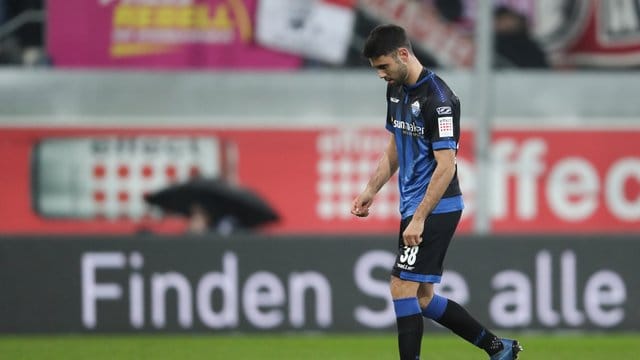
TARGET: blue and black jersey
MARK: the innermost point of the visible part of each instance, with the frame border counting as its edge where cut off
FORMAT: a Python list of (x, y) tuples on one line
[(424, 117)]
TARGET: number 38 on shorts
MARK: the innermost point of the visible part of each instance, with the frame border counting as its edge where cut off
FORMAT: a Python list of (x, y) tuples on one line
[(409, 255)]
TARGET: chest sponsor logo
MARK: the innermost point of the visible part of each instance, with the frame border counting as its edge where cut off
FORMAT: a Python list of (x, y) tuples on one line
[(445, 126), (443, 110), (408, 128)]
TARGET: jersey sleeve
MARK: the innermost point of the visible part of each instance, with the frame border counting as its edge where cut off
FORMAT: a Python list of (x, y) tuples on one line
[(442, 120)]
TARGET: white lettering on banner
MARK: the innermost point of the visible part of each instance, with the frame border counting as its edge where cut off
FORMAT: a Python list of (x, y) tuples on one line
[(262, 297), (376, 288), (92, 291), (453, 287), (136, 291), (623, 170), (544, 290), (572, 189), (263, 294), (524, 183), (603, 297), (268, 302), (572, 315), (227, 283), (299, 283), (572, 186), (511, 306), (525, 165), (160, 286)]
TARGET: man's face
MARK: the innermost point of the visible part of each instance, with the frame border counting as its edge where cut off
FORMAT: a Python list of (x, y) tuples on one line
[(392, 68)]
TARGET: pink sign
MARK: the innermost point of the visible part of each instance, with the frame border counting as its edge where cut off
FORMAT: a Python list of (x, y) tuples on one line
[(159, 34)]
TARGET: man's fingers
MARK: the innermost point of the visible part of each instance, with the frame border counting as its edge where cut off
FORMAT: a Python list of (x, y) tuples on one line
[(411, 240), (360, 211)]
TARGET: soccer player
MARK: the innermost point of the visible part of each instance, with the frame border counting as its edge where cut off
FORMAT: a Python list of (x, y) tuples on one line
[(423, 116)]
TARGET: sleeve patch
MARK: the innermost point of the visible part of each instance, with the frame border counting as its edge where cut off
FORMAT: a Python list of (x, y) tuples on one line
[(445, 126), (444, 110)]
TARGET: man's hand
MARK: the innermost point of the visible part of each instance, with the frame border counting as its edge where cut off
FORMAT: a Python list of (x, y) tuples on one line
[(360, 206), (412, 235)]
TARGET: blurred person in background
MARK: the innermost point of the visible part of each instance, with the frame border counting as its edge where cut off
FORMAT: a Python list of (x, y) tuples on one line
[(200, 221), (514, 43), (24, 45), (214, 206), (423, 115)]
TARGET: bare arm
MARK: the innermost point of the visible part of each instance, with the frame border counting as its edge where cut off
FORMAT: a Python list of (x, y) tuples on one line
[(442, 176), (387, 166)]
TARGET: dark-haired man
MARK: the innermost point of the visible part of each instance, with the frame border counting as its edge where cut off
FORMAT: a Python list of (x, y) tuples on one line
[(423, 116)]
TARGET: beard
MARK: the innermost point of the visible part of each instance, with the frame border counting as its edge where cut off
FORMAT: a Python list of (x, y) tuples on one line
[(403, 71), (403, 74)]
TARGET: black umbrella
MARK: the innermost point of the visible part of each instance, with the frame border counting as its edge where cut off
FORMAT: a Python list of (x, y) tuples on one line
[(218, 197)]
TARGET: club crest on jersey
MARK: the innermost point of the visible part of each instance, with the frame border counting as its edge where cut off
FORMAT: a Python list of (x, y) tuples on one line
[(415, 108), (443, 110)]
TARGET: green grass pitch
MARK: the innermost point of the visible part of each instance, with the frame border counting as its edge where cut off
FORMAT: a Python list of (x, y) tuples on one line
[(308, 347)]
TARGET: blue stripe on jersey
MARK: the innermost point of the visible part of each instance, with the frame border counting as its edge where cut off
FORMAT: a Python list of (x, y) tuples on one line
[(445, 205), (430, 76), (438, 88), (434, 279), (415, 170), (445, 144), (450, 204)]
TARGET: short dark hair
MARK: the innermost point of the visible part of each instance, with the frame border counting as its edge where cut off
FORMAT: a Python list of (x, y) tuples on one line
[(385, 39)]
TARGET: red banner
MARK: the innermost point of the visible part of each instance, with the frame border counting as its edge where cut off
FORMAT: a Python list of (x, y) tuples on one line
[(166, 34), (542, 181)]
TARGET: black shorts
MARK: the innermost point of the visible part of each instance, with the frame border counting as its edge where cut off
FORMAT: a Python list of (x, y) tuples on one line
[(424, 263)]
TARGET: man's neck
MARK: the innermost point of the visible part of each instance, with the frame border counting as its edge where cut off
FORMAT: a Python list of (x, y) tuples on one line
[(415, 69)]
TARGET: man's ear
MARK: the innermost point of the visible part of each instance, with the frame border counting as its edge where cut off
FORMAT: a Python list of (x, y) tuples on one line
[(403, 53)]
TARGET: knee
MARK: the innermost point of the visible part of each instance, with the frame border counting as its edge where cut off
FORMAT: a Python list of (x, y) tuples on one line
[(425, 300), (402, 288), (425, 295)]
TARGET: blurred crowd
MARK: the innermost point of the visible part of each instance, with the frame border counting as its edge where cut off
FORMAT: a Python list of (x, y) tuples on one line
[(527, 33), (22, 34)]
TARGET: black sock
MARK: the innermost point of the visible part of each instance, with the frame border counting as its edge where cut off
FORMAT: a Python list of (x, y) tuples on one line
[(410, 330), (410, 327), (489, 342), (458, 320)]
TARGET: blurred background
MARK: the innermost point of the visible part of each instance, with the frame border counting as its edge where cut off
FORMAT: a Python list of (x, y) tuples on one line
[(105, 104)]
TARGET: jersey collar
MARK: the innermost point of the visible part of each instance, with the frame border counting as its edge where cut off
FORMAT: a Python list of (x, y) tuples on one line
[(425, 75)]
